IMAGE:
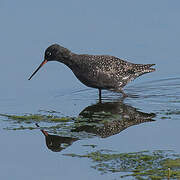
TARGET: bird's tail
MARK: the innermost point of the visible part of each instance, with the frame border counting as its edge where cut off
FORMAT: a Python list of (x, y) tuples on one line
[(144, 68)]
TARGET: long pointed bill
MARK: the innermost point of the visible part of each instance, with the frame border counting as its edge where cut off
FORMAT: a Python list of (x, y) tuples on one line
[(44, 62), (43, 131)]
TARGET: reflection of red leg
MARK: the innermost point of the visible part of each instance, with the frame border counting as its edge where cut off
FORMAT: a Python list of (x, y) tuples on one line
[(43, 131)]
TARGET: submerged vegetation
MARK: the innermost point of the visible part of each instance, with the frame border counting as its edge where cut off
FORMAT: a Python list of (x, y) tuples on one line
[(103, 120), (31, 118), (140, 165), (170, 114)]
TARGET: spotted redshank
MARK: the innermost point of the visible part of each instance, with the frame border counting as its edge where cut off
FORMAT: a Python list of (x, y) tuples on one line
[(97, 71)]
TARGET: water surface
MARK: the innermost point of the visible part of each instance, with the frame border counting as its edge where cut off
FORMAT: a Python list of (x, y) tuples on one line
[(142, 32)]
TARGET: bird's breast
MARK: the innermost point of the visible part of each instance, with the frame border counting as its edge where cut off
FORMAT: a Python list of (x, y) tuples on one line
[(94, 77)]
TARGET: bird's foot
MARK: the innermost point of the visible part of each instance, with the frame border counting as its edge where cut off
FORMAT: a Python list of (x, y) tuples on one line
[(123, 93), (100, 97)]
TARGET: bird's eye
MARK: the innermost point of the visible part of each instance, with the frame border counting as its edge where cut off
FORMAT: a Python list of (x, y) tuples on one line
[(48, 53)]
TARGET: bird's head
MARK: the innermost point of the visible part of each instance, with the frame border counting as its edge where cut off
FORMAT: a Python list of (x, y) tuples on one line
[(54, 52)]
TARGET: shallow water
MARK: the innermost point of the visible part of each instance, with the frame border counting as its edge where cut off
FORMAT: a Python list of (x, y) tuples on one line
[(149, 119)]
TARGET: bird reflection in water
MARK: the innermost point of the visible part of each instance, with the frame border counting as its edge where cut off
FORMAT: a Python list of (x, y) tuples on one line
[(57, 143), (103, 120), (121, 117)]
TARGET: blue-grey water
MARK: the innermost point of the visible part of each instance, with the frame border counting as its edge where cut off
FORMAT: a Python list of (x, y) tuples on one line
[(138, 31)]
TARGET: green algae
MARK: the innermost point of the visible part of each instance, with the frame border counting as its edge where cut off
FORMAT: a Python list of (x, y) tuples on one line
[(165, 117), (90, 145), (20, 128), (173, 112), (64, 124), (171, 163), (62, 119), (54, 124), (91, 122), (35, 117), (101, 119), (139, 165), (168, 114), (29, 118)]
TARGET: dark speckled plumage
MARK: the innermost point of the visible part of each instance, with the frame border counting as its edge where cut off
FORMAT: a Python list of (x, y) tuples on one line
[(97, 71), (110, 118)]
